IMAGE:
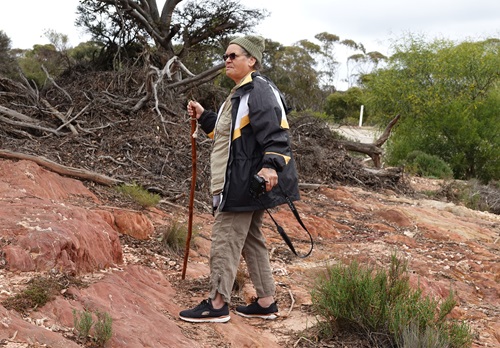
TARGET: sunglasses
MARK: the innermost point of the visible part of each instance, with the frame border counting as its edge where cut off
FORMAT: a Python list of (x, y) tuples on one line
[(231, 56)]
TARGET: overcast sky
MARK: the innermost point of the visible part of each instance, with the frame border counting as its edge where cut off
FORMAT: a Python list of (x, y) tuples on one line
[(375, 23), (372, 23)]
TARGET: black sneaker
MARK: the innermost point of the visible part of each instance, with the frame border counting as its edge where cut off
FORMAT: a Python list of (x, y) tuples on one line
[(205, 313), (254, 310)]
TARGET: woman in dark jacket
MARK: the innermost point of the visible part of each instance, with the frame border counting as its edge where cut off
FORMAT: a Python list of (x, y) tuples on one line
[(250, 137)]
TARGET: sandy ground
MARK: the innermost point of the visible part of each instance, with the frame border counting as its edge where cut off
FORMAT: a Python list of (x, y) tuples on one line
[(366, 135)]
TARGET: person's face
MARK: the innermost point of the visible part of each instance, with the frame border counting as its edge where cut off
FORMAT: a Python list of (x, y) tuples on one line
[(238, 65)]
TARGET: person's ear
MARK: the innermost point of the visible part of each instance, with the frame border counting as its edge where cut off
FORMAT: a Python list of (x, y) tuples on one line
[(252, 61)]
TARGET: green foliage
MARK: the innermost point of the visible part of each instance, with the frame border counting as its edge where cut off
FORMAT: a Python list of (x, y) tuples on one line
[(384, 306), (85, 52), (292, 68), (105, 24), (343, 105), (39, 291), (415, 337), (448, 95), (103, 328), (58, 40), (139, 195), (52, 57), (55, 63), (82, 322), (327, 57), (425, 165), (8, 65)]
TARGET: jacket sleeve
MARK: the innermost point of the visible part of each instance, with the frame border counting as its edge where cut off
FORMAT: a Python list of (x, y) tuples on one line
[(207, 122), (268, 121)]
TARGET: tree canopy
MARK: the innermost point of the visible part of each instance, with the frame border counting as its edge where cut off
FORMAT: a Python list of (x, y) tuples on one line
[(173, 30), (7, 60), (448, 96)]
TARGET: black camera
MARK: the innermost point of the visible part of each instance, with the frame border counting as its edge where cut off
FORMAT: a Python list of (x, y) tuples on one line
[(257, 186)]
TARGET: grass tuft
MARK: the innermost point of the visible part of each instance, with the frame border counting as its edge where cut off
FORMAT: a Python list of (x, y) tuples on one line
[(174, 236), (139, 195)]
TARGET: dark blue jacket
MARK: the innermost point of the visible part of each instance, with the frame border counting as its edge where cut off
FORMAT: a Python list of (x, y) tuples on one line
[(259, 138)]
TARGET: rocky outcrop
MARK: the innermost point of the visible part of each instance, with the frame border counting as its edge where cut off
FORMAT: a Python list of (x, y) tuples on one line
[(55, 225), (46, 223)]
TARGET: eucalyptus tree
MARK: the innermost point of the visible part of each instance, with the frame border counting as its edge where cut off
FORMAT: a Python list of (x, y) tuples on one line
[(7, 61), (330, 65), (448, 95), (172, 31), (293, 69)]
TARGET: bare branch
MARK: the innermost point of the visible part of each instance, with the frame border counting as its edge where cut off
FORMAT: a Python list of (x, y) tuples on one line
[(63, 170), (55, 84), (210, 74), (74, 118), (28, 125), (15, 114), (385, 135), (183, 68), (59, 115)]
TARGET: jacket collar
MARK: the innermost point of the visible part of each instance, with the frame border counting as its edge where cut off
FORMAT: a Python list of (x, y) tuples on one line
[(246, 83), (247, 79)]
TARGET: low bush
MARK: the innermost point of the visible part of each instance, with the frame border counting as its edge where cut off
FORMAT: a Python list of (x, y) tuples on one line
[(38, 292), (473, 195), (382, 305), (82, 322), (425, 165), (103, 327)]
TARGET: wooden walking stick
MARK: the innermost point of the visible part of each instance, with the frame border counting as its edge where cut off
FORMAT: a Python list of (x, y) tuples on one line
[(193, 186)]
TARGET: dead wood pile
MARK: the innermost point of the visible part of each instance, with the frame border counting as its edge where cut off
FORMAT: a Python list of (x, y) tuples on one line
[(89, 121)]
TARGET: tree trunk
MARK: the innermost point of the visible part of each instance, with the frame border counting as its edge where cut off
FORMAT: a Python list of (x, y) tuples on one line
[(373, 150)]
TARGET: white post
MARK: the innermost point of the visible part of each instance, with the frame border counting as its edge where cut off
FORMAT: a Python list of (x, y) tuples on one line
[(361, 115)]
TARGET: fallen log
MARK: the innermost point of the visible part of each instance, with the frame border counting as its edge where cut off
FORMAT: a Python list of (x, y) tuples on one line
[(62, 170), (373, 150)]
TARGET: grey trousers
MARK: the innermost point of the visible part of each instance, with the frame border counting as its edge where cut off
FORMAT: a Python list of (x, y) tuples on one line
[(235, 234)]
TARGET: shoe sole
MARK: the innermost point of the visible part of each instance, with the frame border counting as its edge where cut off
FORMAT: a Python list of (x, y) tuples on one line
[(270, 316), (223, 319)]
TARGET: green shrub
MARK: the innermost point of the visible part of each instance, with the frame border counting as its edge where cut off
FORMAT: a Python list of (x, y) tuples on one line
[(139, 194), (39, 291), (473, 195), (82, 321), (425, 165), (103, 328), (342, 106), (413, 336), (384, 306)]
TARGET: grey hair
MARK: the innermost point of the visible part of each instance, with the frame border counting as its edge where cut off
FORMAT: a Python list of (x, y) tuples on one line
[(257, 66)]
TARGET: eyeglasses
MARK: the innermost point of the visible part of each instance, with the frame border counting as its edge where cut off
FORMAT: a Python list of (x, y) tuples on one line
[(231, 56)]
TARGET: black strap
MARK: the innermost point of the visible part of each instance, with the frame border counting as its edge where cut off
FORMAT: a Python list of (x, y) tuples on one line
[(282, 232)]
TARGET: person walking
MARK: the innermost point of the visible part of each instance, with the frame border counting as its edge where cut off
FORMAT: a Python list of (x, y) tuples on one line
[(250, 137)]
